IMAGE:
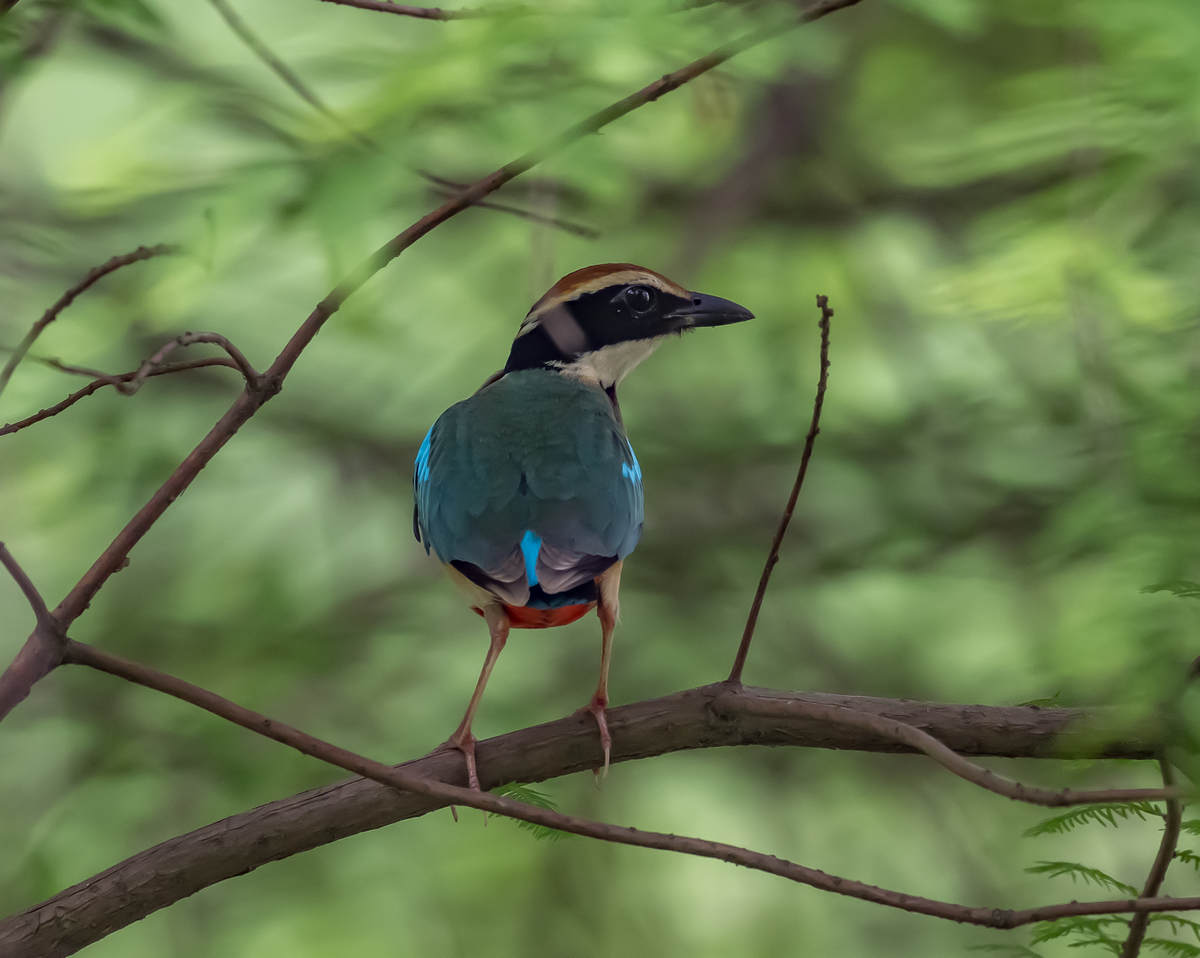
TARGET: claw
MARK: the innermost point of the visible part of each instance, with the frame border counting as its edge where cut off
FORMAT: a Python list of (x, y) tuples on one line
[(466, 745), (597, 709)]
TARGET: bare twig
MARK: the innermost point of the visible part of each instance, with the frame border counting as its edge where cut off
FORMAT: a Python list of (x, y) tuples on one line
[(1158, 871), (739, 660), (707, 716), (141, 253), (100, 383), (427, 13), (28, 589), (949, 759), (58, 364), (271, 381), (43, 650), (134, 383)]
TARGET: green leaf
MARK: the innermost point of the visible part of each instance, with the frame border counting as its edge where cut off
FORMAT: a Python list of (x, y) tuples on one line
[(1049, 930), (1178, 923), (1176, 949), (1083, 873), (1188, 857), (1182, 588), (531, 796), (1191, 826), (1107, 814)]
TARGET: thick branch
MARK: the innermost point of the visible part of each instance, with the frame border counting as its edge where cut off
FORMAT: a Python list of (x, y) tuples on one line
[(248, 403), (698, 718), (141, 253)]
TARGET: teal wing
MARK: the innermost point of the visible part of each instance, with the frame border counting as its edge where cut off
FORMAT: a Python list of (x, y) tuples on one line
[(530, 487)]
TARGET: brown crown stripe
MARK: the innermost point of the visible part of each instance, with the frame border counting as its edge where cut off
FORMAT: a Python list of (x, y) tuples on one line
[(593, 278)]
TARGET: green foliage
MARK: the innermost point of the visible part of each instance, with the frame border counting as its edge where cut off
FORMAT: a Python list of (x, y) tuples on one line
[(1183, 588), (1110, 815), (1083, 873), (1188, 857), (1168, 946), (531, 796), (1079, 925)]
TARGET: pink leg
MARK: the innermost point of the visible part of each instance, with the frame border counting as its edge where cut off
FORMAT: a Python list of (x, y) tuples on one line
[(607, 609), (462, 739)]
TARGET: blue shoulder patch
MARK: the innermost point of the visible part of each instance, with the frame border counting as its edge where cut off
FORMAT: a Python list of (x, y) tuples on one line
[(632, 473), (422, 461)]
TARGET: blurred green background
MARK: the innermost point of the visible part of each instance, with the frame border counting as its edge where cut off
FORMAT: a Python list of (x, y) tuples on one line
[(1000, 199)]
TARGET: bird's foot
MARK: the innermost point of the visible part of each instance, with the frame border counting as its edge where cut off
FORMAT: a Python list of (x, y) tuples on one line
[(465, 743), (597, 709)]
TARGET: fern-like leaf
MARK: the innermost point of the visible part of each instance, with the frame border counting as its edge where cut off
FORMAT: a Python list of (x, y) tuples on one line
[(1079, 925), (1176, 949), (1109, 814), (1191, 826), (1183, 588), (1111, 945), (531, 796), (1178, 924), (1188, 857), (1017, 951), (1083, 873)]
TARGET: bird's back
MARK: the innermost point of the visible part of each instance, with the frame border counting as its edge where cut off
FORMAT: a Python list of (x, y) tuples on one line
[(530, 488)]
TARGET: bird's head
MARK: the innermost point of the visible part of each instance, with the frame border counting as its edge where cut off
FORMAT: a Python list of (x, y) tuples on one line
[(599, 322)]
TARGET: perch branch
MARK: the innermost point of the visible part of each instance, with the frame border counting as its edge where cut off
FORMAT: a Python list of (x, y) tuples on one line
[(95, 274), (1158, 871), (116, 555), (702, 717), (60, 365), (739, 661), (100, 383)]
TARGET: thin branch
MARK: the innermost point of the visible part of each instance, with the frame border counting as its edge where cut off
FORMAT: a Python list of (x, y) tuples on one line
[(739, 660), (427, 13), (43, 650), (134, 383), (100, 383), (1158, 871), (116, 554), (141, 253), (58, 364), (28, 589), (949, 759), (703, 717)]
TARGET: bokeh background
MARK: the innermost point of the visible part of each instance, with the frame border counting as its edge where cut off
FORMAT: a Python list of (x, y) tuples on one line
[(1001, 201)]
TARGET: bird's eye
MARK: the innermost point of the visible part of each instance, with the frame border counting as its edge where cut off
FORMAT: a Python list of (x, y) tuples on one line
[(640, 298)]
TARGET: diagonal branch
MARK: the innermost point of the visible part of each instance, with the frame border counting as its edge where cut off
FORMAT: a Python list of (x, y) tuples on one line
[(99, 383), (95, 274), (739, 660), (427, 13), (702, 717), (1158, 871), (116, 555)]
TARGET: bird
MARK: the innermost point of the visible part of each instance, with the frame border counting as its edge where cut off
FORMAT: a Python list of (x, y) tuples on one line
[(529, 491)]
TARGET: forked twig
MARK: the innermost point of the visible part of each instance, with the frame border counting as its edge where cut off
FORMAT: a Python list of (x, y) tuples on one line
[(129, 386), (42, 614), (1158, 871), (65, 300), (739, 661), (105, 380)]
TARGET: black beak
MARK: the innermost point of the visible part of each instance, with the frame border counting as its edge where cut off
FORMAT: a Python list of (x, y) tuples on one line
[(705, 310)]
